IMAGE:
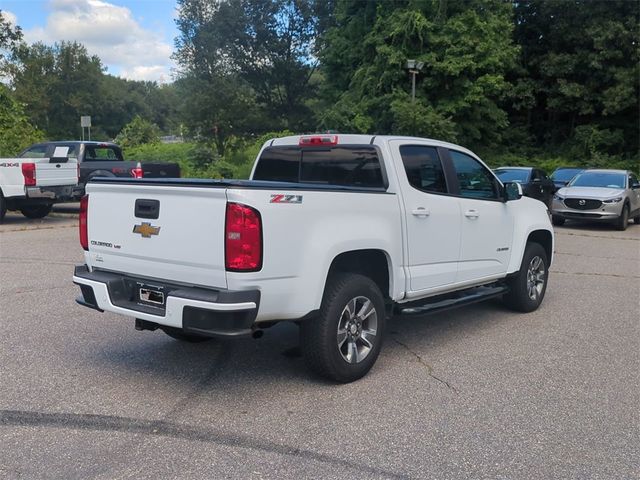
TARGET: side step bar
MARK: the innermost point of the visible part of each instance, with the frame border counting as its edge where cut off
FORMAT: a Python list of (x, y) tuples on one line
[(451, 300)]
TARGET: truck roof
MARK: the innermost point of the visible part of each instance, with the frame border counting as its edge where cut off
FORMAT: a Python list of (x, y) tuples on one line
[(359, 139), (76, 142)]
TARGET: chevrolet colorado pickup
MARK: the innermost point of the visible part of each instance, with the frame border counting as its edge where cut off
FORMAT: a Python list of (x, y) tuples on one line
[(334, 232), (33, 185), (102, 159)]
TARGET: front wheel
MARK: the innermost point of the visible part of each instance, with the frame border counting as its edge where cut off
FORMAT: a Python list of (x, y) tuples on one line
[(36, 211), (558, 221), (623, 219), (527, 288), (344, 341)]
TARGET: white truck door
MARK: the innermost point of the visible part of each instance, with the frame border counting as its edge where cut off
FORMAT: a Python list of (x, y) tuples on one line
[(432, 217), (487, 224)]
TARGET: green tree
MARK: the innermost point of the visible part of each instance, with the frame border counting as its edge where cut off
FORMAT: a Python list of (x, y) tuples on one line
[(257, 55), (10, 39), (466, 48), (137, 132), (578, 77), (16, 133), (57, 84)]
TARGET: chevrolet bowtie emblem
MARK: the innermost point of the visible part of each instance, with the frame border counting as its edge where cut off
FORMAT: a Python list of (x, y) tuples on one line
[(146, 230)]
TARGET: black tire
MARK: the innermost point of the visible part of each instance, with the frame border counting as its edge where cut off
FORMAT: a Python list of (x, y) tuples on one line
[(36, 211), (623, 220), (320, 336), (3, 207), (558, 221), (521, 296), (179, 334), (636, 220)]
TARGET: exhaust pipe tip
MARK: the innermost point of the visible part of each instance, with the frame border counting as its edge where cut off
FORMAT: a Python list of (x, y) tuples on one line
[(257, 334)]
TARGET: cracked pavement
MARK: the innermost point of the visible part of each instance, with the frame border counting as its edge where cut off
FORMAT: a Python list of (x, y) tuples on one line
[(477, 392)]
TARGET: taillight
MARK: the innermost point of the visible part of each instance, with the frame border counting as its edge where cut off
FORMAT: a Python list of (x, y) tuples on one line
[(82, 223), (242, 238), (29, 174), (137, 172), (318, 140)]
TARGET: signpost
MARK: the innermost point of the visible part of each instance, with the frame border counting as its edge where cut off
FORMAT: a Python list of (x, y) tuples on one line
[(85, 122)]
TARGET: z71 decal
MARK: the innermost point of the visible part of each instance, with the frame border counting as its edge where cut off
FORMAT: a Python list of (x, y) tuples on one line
[(281, 198)]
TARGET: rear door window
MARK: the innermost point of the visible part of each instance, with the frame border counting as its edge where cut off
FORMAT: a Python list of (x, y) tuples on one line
[(423, 168), (101, 153)]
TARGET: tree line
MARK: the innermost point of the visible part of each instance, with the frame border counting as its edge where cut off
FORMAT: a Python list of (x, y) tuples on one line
[(529, 78)]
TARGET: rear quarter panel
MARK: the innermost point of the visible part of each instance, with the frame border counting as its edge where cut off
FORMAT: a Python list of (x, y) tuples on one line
[(301, 240)]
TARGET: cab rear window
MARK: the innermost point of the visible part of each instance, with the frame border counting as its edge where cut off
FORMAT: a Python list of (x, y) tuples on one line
[(348, 165)]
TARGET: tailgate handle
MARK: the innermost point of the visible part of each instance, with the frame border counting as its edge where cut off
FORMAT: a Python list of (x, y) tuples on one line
[(147, 208)]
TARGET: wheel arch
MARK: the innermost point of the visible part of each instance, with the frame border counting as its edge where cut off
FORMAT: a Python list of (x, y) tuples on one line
[(373, 263), (544, 238)]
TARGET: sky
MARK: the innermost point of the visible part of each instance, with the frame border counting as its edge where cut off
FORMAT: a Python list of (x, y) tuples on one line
[(133, 38)]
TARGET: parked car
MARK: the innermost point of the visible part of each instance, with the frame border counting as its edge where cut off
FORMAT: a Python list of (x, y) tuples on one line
[(535, 183), (563, 175), (102, 159), (33, 185), (599, 195), (332, 232)]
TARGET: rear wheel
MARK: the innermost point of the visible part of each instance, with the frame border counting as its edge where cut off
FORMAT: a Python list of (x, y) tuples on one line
[(180, 334), (636, 220), (558, 221), (623, 219), (344, 341), (36, 211), (527, 288), (3, 207)]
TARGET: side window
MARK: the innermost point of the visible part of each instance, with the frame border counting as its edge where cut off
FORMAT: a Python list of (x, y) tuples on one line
[(39, 151), (537, 175), (632, 180), (474, 179), (423, 168)]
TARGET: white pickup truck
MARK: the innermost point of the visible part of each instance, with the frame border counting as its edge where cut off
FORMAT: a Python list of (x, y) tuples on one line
[(334, 232), (33, 185)]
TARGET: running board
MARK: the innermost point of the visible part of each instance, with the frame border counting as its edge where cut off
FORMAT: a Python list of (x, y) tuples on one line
[(452, 300)]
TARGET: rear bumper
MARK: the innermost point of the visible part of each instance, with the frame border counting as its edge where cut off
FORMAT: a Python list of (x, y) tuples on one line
[(195, 310), (50, 193)]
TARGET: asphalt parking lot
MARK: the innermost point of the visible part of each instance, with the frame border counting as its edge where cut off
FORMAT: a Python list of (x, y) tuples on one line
[(479, 392)]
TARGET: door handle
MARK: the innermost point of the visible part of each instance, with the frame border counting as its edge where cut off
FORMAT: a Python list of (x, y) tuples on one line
[(421, 212), (471, 214)]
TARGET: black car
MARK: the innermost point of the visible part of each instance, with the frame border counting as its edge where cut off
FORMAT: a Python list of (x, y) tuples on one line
[(535, 183), (563, 175), (101, 159)]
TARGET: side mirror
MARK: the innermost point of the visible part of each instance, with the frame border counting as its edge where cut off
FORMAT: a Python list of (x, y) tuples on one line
[(512, 191)]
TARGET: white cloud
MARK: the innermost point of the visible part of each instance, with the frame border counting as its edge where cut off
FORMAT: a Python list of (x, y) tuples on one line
[(110, 32)]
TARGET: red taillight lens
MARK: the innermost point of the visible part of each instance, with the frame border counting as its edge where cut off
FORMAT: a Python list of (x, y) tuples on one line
[(242, 239), (137, 172), (320, 140), (29, 174), (82, 223)]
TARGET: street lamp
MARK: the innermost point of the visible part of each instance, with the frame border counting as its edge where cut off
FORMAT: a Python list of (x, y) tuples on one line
[(414, 68)]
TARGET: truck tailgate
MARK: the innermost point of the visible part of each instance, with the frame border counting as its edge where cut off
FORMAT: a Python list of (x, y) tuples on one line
[(159, 232), (56, 174)]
